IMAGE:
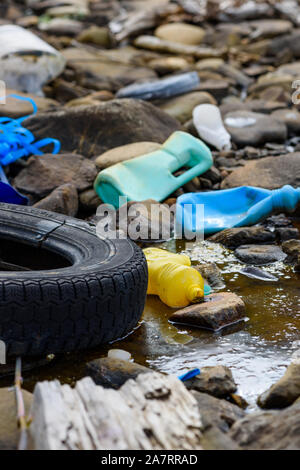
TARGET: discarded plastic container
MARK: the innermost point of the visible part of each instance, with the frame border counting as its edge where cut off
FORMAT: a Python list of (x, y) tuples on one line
[(26, 61), (151, 176), (164, 88), (9, 194), (172, 278), (238, 207), (208, 122), (15, 142)]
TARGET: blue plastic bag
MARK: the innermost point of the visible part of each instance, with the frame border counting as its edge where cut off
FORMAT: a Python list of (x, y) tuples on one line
[(16, 142)]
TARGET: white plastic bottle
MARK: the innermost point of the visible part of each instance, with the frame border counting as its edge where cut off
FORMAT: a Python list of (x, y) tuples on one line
[(26, 61), (208, 122)]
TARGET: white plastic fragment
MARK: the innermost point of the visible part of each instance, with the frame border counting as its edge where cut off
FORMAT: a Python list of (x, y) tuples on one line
[(26, 61), (208, 122), (119, 354)]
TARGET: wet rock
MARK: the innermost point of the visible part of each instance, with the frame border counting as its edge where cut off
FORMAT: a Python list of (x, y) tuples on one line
[(217, 381), (214, 439), (181, 32), (92, 99), (167, 65), (256, 273), (290, 117), (62, 27), (284, 392), (113, 373), (63, 200), (269, 173), (259, 254), (217, 311), (287, 233), (103, 66), (274, 94), (217, 412), (254, 105), (149, 220), (292, 249), (246, 11), (289, 42), (271, 430), (89, 200), (215, 87), (14, 108), (181, 107), (269, 28), (160, 45), (96, 35), (125, 152), (234, 237), (44, 173), (213, 174), (65, 90), (212, 274), (248, 128), (9, 431), (93, 130)]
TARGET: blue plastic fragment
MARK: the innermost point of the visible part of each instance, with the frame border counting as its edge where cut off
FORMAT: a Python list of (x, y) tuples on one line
[(16, 142), (237, 207), (9, 194), (189, 375)]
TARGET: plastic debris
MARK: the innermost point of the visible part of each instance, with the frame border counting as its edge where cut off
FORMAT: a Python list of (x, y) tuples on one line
[(208, 122), (9, 194), (256, 273), (238, 207), (119, 354), (16, 142), (189, 375), (151, 176), (172, 278), (164, 88), (26, 61)]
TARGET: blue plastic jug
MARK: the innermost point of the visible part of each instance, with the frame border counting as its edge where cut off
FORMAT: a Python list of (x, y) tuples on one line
[(238, 207), (151, 176)]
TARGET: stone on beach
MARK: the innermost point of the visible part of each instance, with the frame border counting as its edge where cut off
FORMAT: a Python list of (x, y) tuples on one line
[(284, 392), (268, 173), (217, 311), (113, 373), (217, 381), (259, 254), (44, 173), (125, 152), (234, 237), (92, 130)]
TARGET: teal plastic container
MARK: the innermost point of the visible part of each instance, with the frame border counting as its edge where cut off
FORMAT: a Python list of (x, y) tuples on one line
[(238, 207), (151, 176)]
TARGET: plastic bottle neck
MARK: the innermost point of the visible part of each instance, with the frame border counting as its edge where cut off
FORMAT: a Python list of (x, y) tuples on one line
[(194, 293)]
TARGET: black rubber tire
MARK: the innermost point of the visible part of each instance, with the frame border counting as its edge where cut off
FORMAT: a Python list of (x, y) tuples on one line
[(98, 299)]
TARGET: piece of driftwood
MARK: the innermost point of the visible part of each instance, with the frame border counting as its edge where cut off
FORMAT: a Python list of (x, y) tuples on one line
[(153, 412)]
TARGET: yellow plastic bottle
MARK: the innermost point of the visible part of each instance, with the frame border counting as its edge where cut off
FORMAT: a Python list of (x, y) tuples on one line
[(172, 278)]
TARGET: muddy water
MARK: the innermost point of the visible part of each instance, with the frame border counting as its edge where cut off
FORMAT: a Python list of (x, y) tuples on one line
[(257, 350)]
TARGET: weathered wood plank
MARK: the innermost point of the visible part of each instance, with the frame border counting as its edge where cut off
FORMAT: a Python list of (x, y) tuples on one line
[(154, 411)]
